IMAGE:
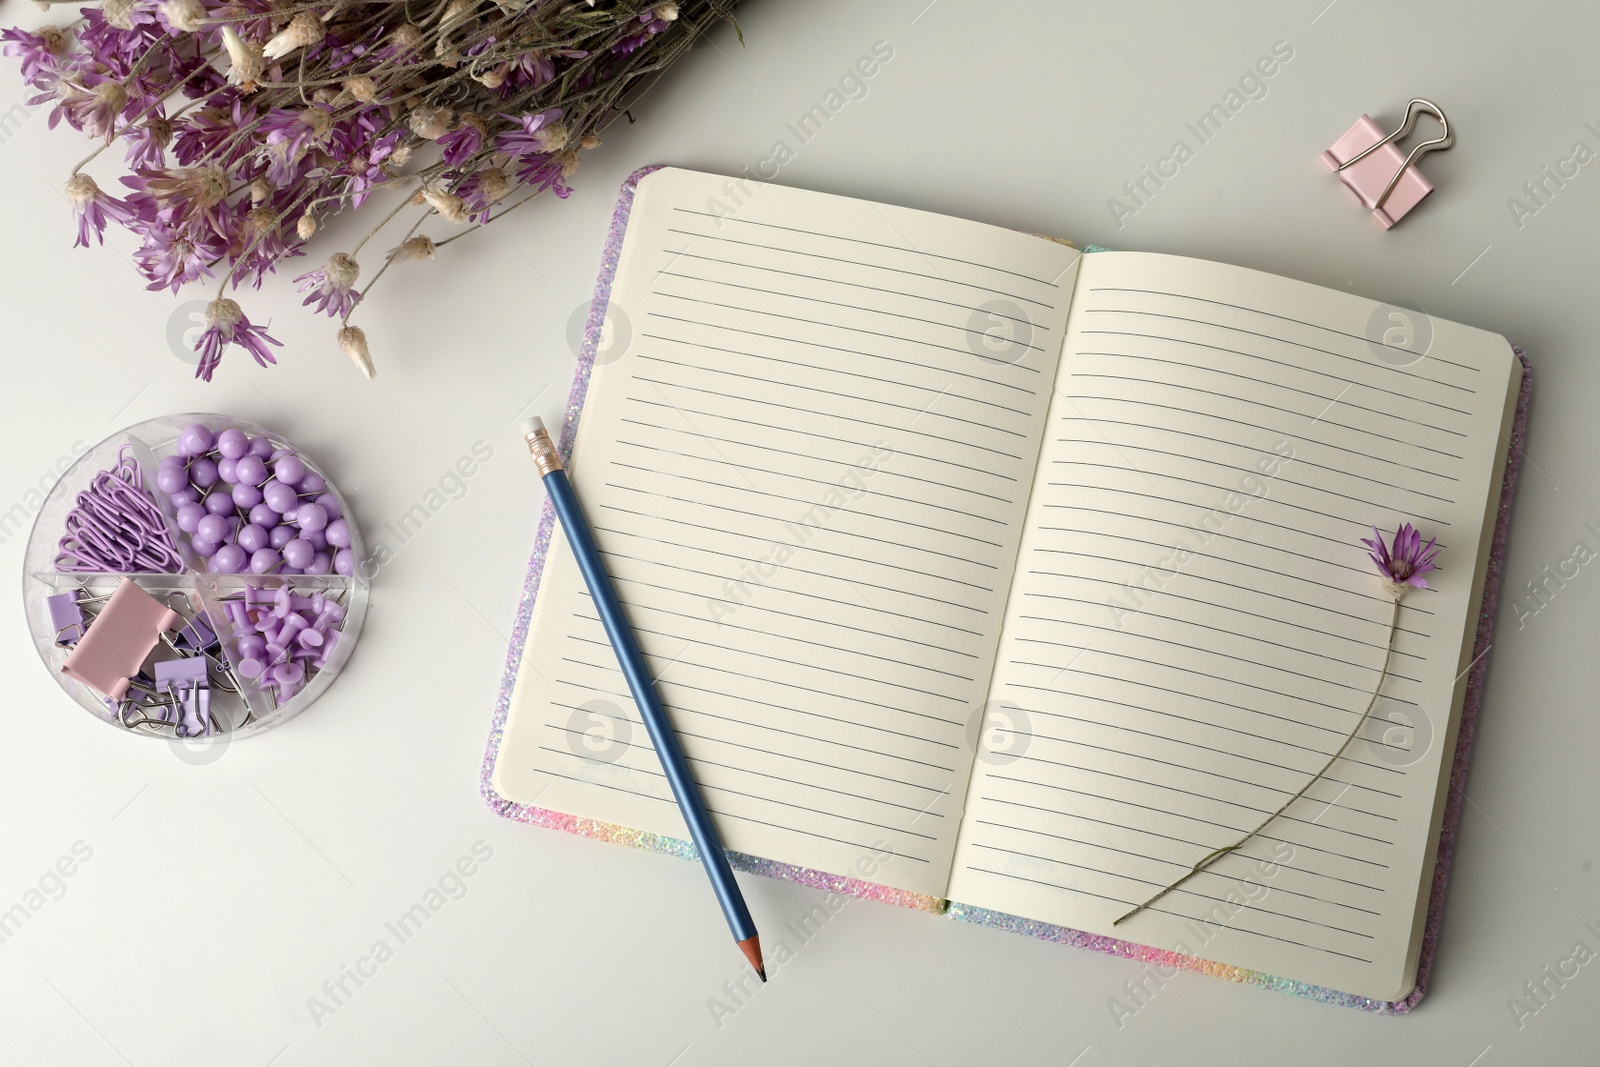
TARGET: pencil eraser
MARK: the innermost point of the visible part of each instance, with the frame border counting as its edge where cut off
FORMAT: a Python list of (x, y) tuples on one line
[(532, 426)]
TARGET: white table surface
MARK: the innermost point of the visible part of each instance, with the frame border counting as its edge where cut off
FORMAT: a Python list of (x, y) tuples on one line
[(219, 897)]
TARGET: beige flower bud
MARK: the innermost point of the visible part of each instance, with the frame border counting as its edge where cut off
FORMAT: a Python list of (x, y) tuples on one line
[(414, 248), (457, 11), (491, 79), (494, 185), (401, 154), (430, 122), (260, 221), (303, 30), (406, 38), (354, 342), (116, 13), (306, 226), (589, 140), (245, 59), (260, 189), (81, 189), (449, 205), (362, 88), (185, 16), (667, 12), (569, 163), (551, 138), (342, 269)]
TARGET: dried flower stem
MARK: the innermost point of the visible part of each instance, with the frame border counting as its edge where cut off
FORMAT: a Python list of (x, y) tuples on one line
[(1211, 857)]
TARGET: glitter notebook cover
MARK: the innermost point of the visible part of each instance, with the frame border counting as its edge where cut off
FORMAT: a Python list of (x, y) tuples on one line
[(660, 843)]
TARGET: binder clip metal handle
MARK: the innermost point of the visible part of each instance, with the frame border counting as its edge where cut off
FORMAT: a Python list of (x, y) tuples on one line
[(1364, 155)]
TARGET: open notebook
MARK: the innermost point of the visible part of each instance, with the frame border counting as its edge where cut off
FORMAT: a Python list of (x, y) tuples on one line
[(982, 575)]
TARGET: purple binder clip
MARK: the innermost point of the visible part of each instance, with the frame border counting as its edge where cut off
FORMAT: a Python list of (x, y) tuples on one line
[(66, 618), (1370, 163), (184, 681)]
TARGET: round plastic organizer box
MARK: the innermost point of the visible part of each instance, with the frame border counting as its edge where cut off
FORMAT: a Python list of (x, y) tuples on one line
[(195, 577)]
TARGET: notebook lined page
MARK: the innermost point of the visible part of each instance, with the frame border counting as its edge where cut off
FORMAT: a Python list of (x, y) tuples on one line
[(1194, 627), (807, 473)]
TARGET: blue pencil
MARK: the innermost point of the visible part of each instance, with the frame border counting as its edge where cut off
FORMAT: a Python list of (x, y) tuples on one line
[(643, 687)]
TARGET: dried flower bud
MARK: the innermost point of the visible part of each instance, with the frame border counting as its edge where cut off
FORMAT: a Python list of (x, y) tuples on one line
[(160, 130), (491, 79), (401, 154), (406, 39), (306, 226), (494, 185), (260, 221), (569, 163), (589, 140), (363, 89), (260, 189), (551, 137), (449, 205), (245, 58), (81, 189), (185, 16), (354, 342), (116, 13), (225, 313), (303, 30), (455, 12), (342, 270), (413, 248), (430, 122), (666, 12)]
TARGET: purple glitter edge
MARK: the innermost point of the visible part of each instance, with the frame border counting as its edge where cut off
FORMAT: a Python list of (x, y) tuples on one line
[(1448, 829), (592, 828)]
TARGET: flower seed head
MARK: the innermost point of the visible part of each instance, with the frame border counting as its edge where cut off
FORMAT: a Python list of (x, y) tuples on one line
[(414, 248), (401, 154), (303, 30), (117, 13), (589, 140), (245, 58), (451, 206), (494, 184), (111, 95), (260, 189), (185, 16), (354, 342), (260, 221), (306, 226), (81, 189), (362, 88), (551, 137), (430, 122), (224, 313), (342, 270)]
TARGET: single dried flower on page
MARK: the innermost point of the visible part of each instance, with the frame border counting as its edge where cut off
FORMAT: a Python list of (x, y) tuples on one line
[(1401, 564), (244, 124)]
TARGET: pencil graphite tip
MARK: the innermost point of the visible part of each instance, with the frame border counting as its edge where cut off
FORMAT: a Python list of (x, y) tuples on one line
[(751, 947)]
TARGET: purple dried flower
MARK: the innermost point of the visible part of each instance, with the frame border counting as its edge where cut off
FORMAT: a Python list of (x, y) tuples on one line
[(226, 325), (1404, 561), (40, 54), (92, 108), (540, 134), (463, 142), (93, 209), (171, 259), (331, 286)]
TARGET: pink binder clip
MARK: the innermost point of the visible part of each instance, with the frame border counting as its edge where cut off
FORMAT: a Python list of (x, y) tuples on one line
[(118, 640), (1372, 166)]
